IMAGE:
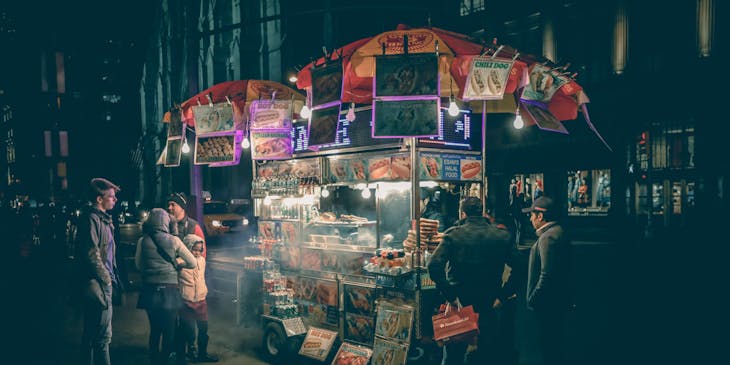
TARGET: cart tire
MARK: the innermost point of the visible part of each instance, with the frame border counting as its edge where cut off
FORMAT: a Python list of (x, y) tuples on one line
[(274, 340)]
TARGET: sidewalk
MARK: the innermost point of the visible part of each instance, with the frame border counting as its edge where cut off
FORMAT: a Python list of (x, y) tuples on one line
[(45, 328)]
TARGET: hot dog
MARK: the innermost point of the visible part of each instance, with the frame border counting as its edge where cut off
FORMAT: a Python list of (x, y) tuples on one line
[(379, 168), (471, 169), (400, 168)]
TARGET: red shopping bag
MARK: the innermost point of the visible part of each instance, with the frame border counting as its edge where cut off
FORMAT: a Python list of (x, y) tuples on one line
[(459, 325)]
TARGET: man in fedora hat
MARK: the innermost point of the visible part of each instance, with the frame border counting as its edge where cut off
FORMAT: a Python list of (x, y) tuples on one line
[(548, 278)]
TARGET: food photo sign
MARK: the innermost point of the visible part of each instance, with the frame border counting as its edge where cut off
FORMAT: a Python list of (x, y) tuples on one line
[(389, 353), (317, 343), (450, 167), (544, 83), (271, 144), (268, 114), (351, 354), (394, 321), (216, 149), (213, 119), (487, 78)]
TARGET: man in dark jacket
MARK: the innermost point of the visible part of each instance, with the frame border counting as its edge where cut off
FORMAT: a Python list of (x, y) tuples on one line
[(177, 203), (467, 268), (548, 279), (97, 269)]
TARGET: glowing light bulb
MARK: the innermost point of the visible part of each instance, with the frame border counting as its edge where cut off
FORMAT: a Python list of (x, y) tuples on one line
[(453, 108), (245, 143), (350, 117), (325, 193), (518, 123), (366, 193), (293, 79), (186, 147), (305, 112)]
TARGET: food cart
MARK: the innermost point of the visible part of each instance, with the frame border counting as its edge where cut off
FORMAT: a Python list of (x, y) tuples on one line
[(337, 229)]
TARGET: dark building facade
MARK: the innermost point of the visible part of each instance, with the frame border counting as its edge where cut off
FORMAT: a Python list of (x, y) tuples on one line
[(659, 171)]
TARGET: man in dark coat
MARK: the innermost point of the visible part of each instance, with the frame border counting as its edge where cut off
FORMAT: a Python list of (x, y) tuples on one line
[(97, 270), (548, 279), (467, 268)]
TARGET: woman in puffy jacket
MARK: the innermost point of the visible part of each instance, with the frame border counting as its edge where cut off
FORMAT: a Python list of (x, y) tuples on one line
[(155, 258)]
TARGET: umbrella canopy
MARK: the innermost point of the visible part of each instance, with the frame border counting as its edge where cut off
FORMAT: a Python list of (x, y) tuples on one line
[(240, 93), (456, 52)]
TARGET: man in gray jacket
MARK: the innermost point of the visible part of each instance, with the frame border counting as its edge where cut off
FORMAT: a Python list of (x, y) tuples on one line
[(548, 279), (97, 268), (467, 268)]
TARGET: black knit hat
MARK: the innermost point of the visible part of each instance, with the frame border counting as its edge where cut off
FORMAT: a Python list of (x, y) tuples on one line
[(179, 199)]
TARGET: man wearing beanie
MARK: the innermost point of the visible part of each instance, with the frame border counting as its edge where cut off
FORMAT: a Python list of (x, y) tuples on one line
[(176, 205)]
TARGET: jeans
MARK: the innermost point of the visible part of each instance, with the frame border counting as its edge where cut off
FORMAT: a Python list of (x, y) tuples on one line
[(97, 332)]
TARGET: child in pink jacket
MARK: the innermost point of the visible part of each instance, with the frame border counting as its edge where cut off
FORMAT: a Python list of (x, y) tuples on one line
[(195, 308)]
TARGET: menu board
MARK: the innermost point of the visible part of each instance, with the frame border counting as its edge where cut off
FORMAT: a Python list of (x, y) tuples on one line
[(357, 133), (406, 75), (326, 84), (406, 118), (455, 132), (323, 126)]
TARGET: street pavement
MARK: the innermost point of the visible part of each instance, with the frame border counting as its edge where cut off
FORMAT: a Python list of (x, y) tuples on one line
[(620, 317)]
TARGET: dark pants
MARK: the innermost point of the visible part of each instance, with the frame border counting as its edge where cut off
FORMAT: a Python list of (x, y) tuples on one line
[(187, 335), (162, 328), (486, 353), (97, 332), (551, 328)]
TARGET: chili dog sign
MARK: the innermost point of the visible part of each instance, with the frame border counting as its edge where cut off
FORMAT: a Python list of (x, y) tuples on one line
[(487, 78), (450, 167)]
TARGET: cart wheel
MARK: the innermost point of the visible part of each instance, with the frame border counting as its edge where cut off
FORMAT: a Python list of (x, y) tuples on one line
[(274, 341)]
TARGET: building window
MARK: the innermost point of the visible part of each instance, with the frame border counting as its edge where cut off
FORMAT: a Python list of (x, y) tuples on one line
[(469, 7)]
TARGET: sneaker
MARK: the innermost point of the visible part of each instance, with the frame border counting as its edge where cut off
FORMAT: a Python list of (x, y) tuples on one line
[(192, 353), (207, 358)]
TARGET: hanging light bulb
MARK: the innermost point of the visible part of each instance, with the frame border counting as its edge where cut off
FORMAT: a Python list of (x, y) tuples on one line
[(186, 147), (245, 143), (366, 193), (325, 193), (305, 112), (453, 108), (350, 117), (518, 123)]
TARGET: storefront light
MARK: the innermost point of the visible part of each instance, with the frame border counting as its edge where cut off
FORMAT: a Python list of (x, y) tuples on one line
[(366, 194), (350, 117), (518, 123), (453, 108), (305, 112)]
